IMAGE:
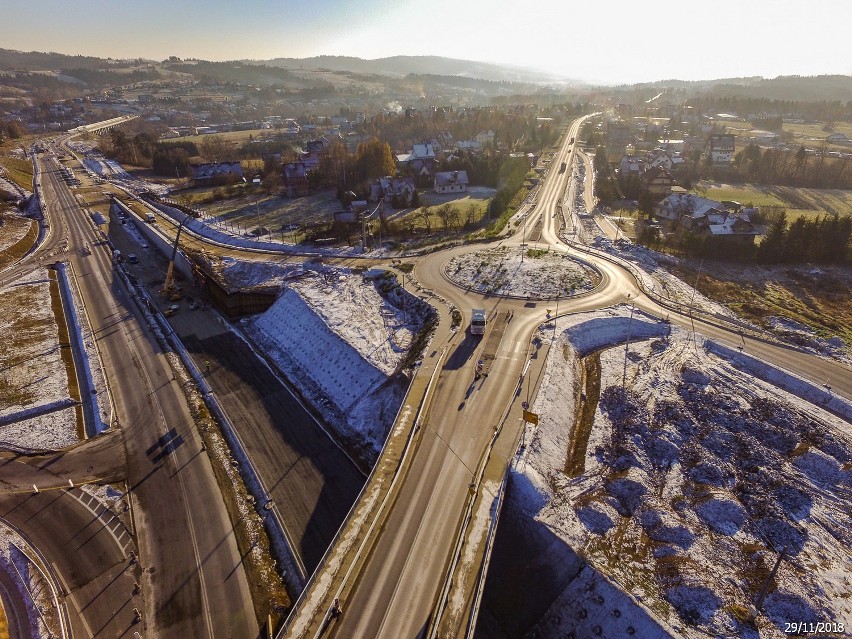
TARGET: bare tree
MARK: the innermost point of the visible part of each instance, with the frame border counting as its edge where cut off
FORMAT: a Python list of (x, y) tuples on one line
[(444, 213), (470, 216), (454, 218), (423, 215), (214, 148)]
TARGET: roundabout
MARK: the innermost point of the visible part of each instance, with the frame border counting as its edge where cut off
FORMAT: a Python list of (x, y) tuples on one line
[(522, 272)]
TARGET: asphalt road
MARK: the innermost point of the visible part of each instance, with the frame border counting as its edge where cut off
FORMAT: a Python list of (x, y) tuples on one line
[(17, 619), (311, 480), (193, 584), (397, 591), (94, 568)]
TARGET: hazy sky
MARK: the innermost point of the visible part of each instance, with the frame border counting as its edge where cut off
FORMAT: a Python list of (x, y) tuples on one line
[(594, 40)]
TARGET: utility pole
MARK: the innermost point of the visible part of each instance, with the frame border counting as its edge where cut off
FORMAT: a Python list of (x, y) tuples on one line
[(404, 316), (627, 345), (557, 313), (692, 303)]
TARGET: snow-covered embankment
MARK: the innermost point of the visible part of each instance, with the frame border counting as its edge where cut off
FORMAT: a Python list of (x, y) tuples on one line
[(342, 338)]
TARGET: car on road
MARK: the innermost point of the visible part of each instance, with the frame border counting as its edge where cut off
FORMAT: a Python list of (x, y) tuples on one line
[(131, 257)]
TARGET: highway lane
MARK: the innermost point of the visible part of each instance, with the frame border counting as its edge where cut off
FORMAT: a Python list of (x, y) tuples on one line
[(397, 573), (193, 582), (94, 569), (623, 287), (397, 591), (94, 460), (409, 562), (311, 480), (17, 619)]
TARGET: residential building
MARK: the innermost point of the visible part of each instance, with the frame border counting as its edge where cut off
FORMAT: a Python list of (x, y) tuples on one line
[(720, 148), (706, 218), (675, 146), (207, 172), (295, 178), (630, 165), (451, 182), (469, 145), (676, 205), (398, 189), (657, 181), (485, 138), (837, 138), (765, 138), (422, 163)]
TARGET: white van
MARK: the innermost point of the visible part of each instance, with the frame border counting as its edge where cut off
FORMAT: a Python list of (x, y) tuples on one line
[(150, 218), (477, 321)]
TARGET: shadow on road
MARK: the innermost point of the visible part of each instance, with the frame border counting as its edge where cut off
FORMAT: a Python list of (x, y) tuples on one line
[(313, 482), (463, 352)]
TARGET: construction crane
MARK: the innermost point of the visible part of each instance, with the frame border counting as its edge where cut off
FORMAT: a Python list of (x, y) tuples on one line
[(169, 284)]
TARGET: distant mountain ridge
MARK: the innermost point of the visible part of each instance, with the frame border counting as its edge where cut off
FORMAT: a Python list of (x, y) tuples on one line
[(433, 68), (402, 65), (792, 88)]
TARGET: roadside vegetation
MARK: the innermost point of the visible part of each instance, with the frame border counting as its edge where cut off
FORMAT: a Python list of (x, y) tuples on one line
[(817, 297), (17, 236), (19, 171)]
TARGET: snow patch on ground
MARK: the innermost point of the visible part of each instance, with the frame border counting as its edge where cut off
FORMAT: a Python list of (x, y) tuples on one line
[(12, 230), (342, 338), (241, 273), (505, 271), (32, 373), (797, 333), (341, 373), (695, 475)]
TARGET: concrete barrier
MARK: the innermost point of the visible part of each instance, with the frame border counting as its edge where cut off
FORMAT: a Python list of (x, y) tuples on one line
[(89, 399)]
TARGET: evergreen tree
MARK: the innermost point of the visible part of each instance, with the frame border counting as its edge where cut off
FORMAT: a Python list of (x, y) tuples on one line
[(772, 247)]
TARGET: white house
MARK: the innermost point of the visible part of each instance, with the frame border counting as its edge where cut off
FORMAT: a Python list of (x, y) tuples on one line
[(676, 205), (485, 138), (451, 182), (721, 147)]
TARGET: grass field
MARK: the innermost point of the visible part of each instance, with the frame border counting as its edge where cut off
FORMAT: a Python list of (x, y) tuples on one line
[(17, 235), (96, 199), (236, 137), (814, 132), (467, 208), (809, 135), (798, 202), (19, 171), (250, 208)]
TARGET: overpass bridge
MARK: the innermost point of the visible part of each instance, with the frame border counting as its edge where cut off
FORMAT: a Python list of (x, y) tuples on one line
[(103, 125)]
